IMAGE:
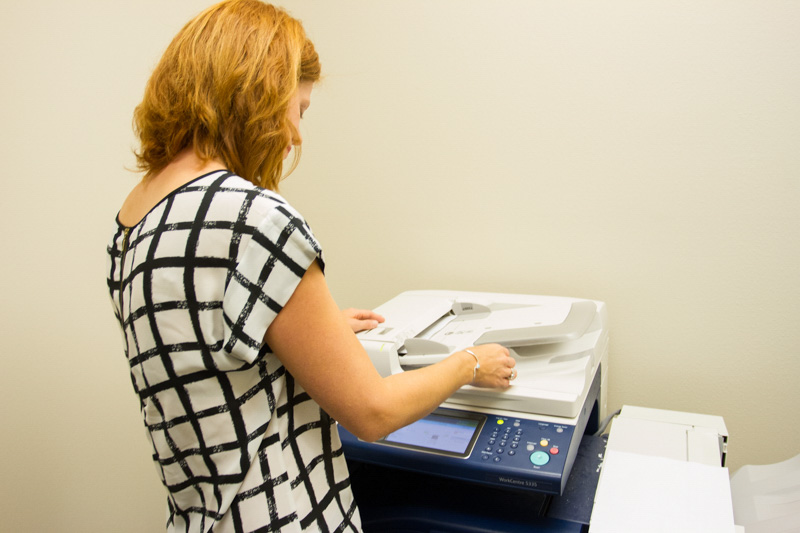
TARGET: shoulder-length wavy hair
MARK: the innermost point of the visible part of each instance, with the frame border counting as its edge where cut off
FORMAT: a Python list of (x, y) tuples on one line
[(223, 86)]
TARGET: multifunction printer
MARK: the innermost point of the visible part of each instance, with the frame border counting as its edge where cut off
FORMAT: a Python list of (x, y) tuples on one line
[(523, 437)]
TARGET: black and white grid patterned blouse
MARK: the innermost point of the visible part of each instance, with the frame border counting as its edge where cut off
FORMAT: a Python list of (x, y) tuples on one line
[(239, 444)]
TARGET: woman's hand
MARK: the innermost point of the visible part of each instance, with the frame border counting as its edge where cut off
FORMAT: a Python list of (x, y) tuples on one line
[(497, 366), (362, 319)]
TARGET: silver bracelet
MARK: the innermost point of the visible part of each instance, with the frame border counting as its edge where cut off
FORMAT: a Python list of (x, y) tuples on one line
[(477, 364)]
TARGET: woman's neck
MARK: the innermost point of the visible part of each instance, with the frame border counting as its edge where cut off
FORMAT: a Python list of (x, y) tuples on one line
[(185, 167)]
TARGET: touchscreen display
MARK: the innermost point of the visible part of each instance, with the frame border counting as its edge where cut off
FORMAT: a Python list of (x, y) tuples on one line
[(438, 432)]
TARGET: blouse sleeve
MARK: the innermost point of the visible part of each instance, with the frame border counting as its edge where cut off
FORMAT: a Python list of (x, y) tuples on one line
[(280, 251)]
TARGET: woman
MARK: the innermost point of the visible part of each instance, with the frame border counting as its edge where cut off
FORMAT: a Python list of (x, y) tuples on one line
[(239, 355)]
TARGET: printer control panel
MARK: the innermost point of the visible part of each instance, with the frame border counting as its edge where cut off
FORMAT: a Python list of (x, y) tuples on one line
[(507, 440), (533, 453), (499, 450)]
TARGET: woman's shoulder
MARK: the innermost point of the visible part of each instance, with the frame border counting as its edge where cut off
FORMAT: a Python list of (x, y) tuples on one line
[(247, 200)]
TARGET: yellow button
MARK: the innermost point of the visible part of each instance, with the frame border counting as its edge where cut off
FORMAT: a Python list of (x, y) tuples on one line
[(500, 422), (544, 442)]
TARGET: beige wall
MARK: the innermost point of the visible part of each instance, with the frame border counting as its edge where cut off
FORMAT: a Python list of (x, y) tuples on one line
[(642, 153)]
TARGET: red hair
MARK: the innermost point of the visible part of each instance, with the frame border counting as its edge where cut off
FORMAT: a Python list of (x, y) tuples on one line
[(223, 86)]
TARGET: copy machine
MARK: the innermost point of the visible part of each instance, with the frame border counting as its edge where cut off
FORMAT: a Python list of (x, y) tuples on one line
[(524, 437)]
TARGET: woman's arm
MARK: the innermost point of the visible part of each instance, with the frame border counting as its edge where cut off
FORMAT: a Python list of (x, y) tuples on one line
[(314, 341)]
